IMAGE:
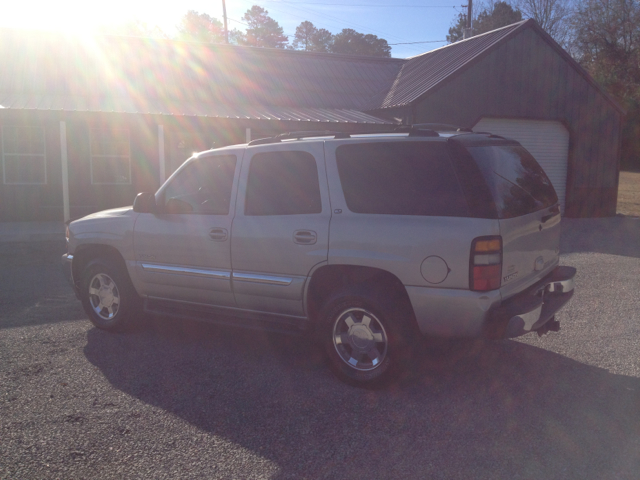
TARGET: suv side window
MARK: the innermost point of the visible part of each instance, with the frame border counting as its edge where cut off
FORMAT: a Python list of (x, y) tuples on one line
[(283, 183), (202, 187), (412, 178)]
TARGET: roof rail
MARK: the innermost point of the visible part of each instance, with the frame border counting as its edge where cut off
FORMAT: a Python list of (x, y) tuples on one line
[(299, 136), (441, 127), (415, 130)]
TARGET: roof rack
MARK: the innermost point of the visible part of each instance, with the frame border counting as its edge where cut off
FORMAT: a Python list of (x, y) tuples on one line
[(441, 127), (299, 136), (416, 130)]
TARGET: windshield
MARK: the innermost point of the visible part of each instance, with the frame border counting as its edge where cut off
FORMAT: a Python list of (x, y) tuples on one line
[(517, 182)]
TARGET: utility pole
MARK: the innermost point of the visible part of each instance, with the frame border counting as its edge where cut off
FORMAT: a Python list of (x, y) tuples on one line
[(224, 14), (467, 31)]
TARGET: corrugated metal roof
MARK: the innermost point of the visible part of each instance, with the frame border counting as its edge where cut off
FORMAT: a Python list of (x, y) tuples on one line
[(150, 75), (52, 71), (423, 72), (123, 104)]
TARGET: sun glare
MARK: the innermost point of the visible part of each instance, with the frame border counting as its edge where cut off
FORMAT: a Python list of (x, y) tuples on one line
[(86, 17)]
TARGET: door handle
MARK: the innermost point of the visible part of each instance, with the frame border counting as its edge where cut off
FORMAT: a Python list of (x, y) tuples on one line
[(305, 237), (218, 234)]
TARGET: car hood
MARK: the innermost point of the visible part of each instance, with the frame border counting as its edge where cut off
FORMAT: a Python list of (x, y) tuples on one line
[(113, 212), (114, 227)]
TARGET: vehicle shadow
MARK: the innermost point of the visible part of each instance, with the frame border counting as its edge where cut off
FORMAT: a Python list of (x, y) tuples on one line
[(477, 410), (617, 235)]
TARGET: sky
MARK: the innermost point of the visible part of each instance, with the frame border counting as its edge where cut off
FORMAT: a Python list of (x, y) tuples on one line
[(400, 22)]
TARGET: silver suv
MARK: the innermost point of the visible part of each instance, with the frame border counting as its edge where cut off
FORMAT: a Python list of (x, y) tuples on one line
[(366, 240)]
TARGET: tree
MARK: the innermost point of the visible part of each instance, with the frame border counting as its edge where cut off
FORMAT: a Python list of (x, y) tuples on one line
[(322, 41), (263, 31), (200, 27), (498, 15), (303, 39), (348, 41), (311, 39), (552, 15), (456, 30), (606, 41), (494, 15)]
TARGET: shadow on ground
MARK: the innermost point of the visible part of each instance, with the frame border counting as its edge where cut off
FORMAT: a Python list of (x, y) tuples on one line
[(619, 235), (33, 290), (477, 410)]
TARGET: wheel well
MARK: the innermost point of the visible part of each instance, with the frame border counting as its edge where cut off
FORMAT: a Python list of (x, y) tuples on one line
[(85, 253), (329, 279)]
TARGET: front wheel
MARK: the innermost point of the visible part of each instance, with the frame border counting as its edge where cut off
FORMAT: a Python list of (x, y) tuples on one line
[(108, 296), (363, 339)]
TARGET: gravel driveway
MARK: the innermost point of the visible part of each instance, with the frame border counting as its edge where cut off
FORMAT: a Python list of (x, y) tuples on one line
[(189, 400)]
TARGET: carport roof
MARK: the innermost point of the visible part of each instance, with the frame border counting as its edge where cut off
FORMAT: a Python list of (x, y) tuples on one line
[(159, 106), (126, 74)]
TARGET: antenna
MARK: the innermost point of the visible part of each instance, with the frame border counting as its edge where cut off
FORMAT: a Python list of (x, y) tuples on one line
[(224, 14)]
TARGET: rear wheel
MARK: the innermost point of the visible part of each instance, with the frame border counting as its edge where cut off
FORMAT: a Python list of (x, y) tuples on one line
[(364, 339), (108, 296)]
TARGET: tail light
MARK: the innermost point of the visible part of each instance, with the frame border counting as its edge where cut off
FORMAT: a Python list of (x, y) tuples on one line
[(485, 266)]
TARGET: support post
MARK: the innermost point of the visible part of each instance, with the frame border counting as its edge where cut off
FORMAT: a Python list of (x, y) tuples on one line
[(247, 135), (468, 31), (161, 159), (64, 160)]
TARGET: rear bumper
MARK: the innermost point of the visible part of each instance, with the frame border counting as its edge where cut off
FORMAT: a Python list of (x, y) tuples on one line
[(533, 308)]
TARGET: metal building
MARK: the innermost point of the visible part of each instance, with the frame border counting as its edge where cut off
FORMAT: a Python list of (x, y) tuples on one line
[(518, 82), (86, 123)]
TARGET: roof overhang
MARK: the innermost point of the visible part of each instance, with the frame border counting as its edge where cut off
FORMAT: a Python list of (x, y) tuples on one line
[(127, 105)]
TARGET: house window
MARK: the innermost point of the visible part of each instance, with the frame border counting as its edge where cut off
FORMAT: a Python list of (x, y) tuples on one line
[(110, 156), (23, 156)]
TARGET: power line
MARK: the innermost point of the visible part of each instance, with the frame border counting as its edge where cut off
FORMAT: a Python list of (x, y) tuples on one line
[(361, 5), (426, 41)]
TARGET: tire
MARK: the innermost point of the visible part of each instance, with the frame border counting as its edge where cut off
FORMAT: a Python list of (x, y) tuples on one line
[(108, 296), (365, 340)]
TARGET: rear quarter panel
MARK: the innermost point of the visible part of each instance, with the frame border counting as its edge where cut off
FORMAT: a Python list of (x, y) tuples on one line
[(401, 244)]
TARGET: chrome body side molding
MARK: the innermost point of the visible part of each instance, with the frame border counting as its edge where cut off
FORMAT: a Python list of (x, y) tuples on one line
[(259, 278), (196, 272)]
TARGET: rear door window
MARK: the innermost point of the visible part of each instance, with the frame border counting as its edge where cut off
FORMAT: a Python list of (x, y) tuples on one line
[(283, 183), (408, 178), (517, 182)]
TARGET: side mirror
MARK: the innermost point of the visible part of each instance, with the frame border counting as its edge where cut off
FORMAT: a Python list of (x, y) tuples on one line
[(145, 202)]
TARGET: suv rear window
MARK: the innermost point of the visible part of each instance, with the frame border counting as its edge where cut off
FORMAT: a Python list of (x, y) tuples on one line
[(517, 182), (410, 178)]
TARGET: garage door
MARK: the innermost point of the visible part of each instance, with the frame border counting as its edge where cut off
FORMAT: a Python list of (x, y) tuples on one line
[(547, 141)]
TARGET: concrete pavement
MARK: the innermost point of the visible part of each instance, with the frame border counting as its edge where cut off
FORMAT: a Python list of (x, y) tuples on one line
[(31, 231)]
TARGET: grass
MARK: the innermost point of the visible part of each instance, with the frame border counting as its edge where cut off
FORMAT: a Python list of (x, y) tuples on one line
[(629, 194)]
